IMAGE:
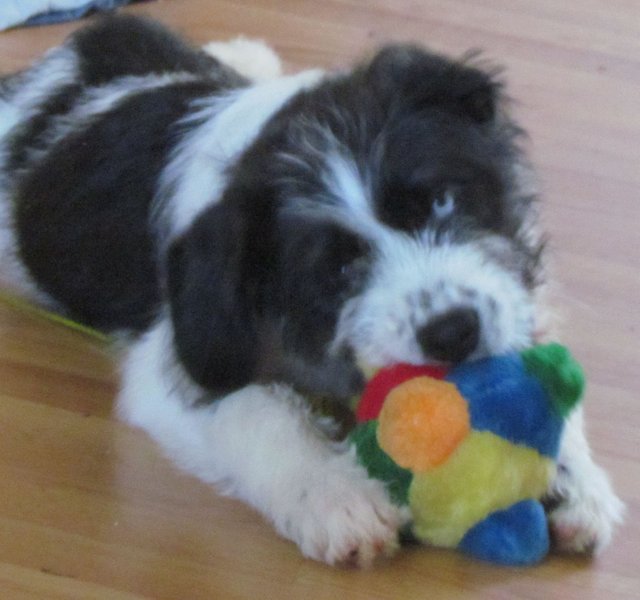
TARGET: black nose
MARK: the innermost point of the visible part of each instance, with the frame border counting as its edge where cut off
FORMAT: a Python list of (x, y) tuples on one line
[(451, 336)]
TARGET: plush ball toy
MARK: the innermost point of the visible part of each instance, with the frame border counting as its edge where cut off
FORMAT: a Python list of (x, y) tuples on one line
[(472, 451)]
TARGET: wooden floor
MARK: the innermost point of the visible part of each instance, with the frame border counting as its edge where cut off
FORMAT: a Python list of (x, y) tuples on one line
[(90, 509)]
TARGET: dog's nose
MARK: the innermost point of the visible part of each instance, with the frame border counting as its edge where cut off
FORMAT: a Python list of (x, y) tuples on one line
[(451, 336)]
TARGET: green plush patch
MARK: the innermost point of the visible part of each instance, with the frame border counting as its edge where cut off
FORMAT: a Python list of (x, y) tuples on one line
[(559, 373), (378, 464)]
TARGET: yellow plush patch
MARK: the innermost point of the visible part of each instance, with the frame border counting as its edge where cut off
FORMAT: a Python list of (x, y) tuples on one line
[(485, 474), (422, 422)]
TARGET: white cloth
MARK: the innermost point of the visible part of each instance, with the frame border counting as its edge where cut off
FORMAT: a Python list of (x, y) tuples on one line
[(14, 12)]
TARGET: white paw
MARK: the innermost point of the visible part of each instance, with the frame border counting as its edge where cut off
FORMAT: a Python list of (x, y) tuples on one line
[(583, 510), (342, 517)]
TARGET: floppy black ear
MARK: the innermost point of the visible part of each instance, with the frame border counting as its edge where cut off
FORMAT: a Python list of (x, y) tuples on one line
[(214, 324), (420, 79)]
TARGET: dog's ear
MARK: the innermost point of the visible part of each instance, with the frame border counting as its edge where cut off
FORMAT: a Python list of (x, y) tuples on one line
[(213, 320), (420, 79)]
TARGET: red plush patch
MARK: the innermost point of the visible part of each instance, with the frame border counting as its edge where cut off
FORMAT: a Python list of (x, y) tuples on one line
[(385, 380)]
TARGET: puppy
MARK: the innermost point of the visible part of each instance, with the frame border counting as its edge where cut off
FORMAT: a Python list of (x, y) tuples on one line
[(257, 244)]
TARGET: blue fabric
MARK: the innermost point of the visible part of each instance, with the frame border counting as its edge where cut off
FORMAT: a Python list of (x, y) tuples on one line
[(517, 536), (504, 399), (84, 8)]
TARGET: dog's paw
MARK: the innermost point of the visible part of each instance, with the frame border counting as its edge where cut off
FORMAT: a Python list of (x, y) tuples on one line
[(342, 517), (583, 510)]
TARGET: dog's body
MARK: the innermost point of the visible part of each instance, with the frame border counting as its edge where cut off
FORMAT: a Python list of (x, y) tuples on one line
[(259, 243)]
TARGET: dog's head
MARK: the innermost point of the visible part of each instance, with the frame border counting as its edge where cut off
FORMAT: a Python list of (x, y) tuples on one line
[(378, 217)]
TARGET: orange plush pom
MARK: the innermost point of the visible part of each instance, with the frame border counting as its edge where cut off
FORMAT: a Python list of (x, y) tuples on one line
[(422, 422)]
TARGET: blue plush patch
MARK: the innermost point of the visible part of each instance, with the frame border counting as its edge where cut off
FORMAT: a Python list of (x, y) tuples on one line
[(517, 536), (504, 400)]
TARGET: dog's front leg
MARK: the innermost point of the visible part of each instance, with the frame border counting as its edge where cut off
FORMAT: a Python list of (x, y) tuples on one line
[(583, 508), (260, 445)]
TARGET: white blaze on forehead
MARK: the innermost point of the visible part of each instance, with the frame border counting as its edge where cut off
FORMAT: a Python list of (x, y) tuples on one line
[(346, 197), (346, 185)]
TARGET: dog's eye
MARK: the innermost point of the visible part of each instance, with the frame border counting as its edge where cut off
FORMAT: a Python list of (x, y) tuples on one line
[(353, 272), (444, 206), (348, 270)]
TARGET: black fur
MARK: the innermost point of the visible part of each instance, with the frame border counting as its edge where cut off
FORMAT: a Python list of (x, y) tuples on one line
[(425, 159), (255, 295), (410, 79), (316, 271), (444, 136), (279, 284), (114, 47), (84, 210), (125, 45), (255, 285), (212, 300)]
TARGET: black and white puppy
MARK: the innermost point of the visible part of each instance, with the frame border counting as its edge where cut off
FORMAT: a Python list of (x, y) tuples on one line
[(259, 243)]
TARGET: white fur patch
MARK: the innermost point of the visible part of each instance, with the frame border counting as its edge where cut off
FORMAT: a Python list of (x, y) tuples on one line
[(416, 279), (196, 173), (9, 116), (589, 510), (98, 100), (253, 59), (259, 445), (58, 68), (353, 195)]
